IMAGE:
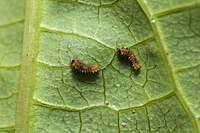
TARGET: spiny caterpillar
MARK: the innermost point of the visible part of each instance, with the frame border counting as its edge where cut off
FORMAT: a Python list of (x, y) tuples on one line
[(77, 65), (126, 52)]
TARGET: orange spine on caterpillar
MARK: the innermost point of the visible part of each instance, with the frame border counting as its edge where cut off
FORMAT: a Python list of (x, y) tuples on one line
[(77, 65), (126, 52)]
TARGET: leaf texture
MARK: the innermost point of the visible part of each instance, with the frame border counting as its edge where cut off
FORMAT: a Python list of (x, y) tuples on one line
[(11, 35), (162, 97)]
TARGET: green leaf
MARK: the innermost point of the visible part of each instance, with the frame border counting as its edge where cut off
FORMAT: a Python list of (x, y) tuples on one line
[(11, 34), (162, 97)]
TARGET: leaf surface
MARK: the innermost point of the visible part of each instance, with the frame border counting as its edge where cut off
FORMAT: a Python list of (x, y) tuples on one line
[(11, 35), (161, 97)]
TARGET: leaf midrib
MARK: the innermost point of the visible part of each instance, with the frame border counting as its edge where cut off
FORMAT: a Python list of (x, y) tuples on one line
[(26, 71)]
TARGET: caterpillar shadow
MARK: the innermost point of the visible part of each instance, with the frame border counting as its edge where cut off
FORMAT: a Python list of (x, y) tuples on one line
[(79, 76)]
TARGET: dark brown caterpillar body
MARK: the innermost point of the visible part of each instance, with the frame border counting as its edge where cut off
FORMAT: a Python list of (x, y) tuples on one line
[(126, 52), (77, 65)]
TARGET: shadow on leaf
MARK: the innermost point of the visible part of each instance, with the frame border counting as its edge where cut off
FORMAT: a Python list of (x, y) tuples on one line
[(84, 76)]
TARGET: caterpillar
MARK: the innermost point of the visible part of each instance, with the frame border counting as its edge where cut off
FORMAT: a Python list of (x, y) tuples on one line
[(126, 52), (78, 66)]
